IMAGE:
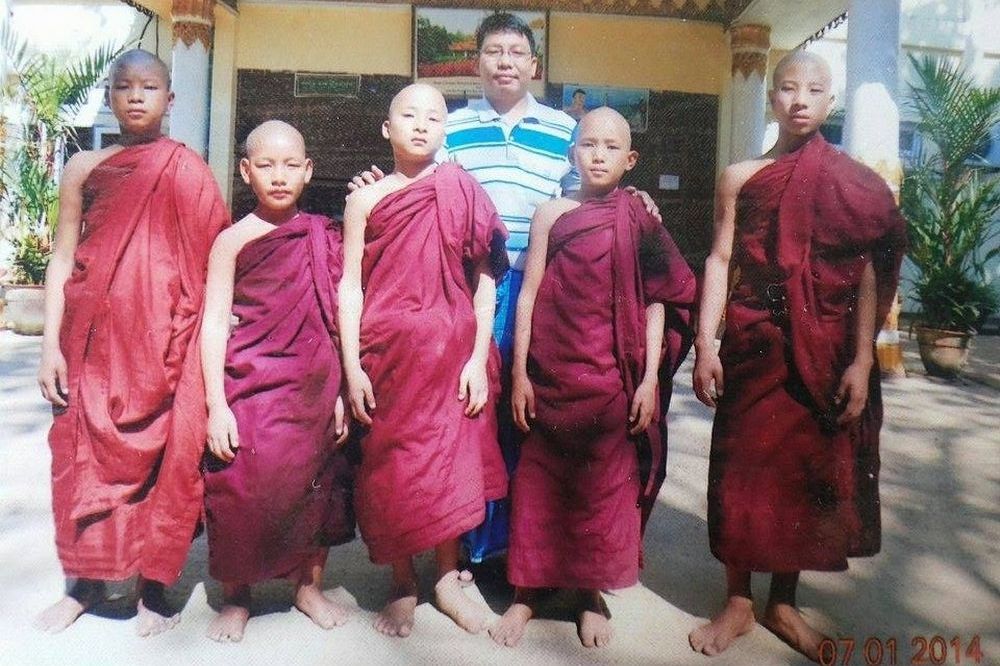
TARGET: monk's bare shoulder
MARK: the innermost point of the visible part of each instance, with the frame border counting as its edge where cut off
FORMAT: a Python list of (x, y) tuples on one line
[(735, 176), (549, 211), (363, 200), (231, 240), (78, 167)]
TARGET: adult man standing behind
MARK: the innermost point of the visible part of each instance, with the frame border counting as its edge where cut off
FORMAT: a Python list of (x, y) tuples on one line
[(517, 148)]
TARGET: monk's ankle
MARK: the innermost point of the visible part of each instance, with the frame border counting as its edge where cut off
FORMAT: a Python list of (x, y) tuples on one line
[(87, 591), (237, 595), (153, 596)]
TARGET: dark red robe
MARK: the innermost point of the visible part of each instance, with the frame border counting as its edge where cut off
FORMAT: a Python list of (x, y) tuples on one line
[(285, 497), (583, 485), (790, 490), (426, 468), (126, 488)]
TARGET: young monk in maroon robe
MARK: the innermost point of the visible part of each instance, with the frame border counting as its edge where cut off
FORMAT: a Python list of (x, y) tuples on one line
[(426, 245), (276, 494), (602, 324), (793, 477), (120, 361)]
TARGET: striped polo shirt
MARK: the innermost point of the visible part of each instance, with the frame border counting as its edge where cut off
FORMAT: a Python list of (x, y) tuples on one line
[(519, 166)]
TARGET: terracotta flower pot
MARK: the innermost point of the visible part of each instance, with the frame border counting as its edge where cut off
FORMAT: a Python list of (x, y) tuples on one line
[(25, 311), (944, 353)]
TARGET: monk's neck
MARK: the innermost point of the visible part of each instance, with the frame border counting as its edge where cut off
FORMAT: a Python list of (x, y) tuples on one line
[(412, 169), (130, 139), (588, 193), (276, 217), (789, 143)]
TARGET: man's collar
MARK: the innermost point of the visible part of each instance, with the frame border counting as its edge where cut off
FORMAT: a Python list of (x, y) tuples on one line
[(487, 113)]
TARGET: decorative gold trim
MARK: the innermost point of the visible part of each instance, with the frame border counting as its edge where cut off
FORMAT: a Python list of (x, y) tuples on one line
[(750, 36), (193, 20), (749, 44), (714, 11)]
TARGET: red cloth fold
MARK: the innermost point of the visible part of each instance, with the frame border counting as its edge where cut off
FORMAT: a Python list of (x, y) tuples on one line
[(286, 496), (126, 486), (584, 486), (426, 468), (790, 490)]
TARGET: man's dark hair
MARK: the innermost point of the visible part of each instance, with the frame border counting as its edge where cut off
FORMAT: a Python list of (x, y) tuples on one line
[(503, 22), (579, 91)]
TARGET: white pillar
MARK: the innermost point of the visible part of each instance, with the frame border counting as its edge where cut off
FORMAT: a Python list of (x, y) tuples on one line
[(749, 44), (191, 72), (871, 121)]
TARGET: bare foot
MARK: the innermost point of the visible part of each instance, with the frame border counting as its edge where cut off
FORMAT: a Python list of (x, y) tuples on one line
[(509, 629), (396, 618), (465, 578), (310, 600), (59, 615), (451, 600), (786, 623), (736, 619), (594, 625), (149, 623), (228, 625)]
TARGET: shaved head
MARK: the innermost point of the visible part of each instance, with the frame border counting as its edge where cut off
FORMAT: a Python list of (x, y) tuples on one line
[(138, 58), (428, 95), (272, 129), (605, 118), (804, 59)]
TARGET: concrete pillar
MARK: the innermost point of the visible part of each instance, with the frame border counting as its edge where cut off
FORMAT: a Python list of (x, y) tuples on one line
[(191, 72), (871, 121), (749, 44)]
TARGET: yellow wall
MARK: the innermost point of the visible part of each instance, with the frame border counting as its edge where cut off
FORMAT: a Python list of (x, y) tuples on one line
[(686, 56), (324, 38)]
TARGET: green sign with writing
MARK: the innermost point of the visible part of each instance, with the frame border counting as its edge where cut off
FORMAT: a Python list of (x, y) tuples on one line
[(326, 85)]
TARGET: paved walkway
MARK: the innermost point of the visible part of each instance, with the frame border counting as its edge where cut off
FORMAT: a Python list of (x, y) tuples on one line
[(938, 573)]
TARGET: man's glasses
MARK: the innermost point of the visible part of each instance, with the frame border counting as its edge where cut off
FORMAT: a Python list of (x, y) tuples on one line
[(497, 54)]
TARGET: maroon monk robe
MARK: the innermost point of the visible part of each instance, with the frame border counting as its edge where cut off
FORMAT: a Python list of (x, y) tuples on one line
[(126, 490), (789, 489), (285, 497), (426, 469), (583, 485)]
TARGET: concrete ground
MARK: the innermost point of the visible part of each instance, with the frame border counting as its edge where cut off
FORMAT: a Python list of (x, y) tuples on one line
[(938, 573)]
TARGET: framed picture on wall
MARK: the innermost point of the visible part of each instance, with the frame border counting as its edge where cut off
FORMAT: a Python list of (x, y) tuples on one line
[(445, 54), (633, 103)]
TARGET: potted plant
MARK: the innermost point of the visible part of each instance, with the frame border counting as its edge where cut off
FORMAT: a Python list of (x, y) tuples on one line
[(46, 94), (950, 202)]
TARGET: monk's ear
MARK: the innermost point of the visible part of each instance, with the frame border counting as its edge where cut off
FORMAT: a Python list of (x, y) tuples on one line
[(170, 100), (385, 129), (633, 157), (245, 170), (308, 171)]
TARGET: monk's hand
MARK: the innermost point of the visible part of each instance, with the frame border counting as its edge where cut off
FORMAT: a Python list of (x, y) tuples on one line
[(647, 201), (522, 400), (53, 378), (364, 178), (473, 385), (707, 377), (340, 422), (640, 415), (852, 394), (223, 435), (361, 395)]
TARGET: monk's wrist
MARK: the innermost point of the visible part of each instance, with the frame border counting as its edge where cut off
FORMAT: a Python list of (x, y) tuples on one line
[(865, 360), (702, 346)]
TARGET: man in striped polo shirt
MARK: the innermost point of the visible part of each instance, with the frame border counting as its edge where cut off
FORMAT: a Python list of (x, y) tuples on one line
[(517, 148)]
